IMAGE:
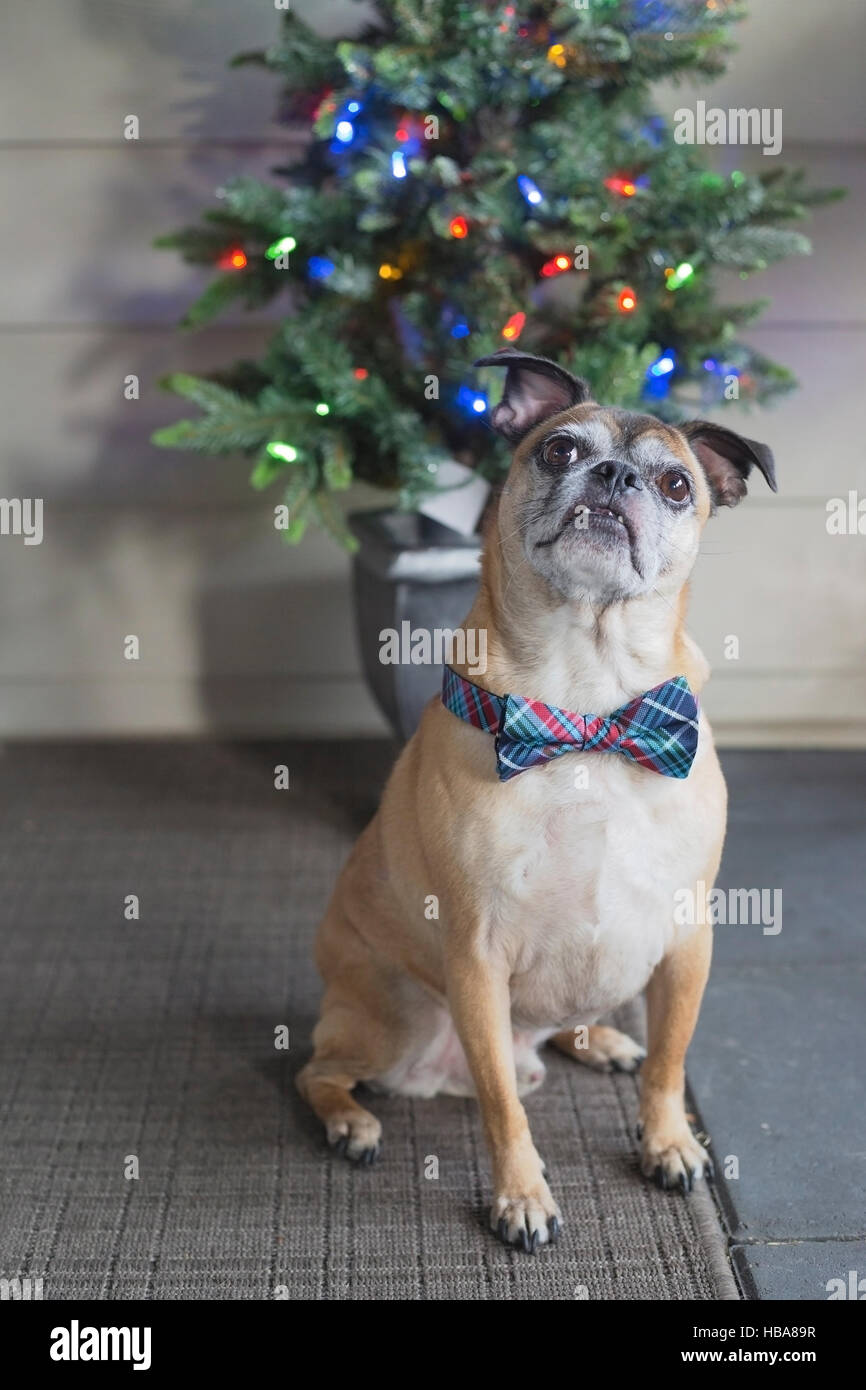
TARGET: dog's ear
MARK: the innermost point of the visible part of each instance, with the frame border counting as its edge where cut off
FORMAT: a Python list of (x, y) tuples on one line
[(727, 460), (534, 389)]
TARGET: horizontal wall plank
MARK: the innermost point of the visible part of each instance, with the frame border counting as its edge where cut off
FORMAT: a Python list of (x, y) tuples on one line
[(99, 59), (217, 592), (69, 434), (333, 707), (84, 219), (221, 591), (79, 227), (815, 432), (806, 59), (219, 599), (165, 61), (793, 595), (828, 286), (230, 706)]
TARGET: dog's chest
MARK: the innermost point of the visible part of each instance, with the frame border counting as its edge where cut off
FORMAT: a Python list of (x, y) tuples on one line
[(587, 897)]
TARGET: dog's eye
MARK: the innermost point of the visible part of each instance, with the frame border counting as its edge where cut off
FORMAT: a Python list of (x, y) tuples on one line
[(559, 452), (674, 486)]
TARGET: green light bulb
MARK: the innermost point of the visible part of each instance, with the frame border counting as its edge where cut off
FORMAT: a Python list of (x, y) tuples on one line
[(281, 247), (683, 272), (322, 409), (287, 452)]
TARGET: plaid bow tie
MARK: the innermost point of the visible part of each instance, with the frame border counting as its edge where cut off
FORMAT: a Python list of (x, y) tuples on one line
[(658, 730)]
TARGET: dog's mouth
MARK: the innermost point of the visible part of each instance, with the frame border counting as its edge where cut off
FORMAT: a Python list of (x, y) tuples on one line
[(585, 516)]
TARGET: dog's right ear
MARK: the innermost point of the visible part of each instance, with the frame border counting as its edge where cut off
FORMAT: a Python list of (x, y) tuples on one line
[(534, 389)]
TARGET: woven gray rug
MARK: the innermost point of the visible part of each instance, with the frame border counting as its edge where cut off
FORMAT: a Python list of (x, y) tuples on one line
[(151, 1141)]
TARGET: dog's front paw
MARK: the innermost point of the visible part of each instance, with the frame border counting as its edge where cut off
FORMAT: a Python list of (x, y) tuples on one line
[(527, 1217), (674, 1158), (355, 1135)]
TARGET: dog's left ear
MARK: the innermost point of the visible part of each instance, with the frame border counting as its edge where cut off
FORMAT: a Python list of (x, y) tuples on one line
[(534, 389), (727, 460)]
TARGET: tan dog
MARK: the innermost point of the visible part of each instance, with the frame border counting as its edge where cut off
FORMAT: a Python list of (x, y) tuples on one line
[(555, 892)]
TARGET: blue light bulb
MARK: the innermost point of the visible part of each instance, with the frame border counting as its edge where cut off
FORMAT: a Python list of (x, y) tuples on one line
[(398, 164), (345, 132), (663, 365), (471, 400), (531, 192), (320, 267)]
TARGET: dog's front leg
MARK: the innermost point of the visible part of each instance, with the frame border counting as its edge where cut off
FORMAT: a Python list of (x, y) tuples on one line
[(670, 1153), (523, 1212)]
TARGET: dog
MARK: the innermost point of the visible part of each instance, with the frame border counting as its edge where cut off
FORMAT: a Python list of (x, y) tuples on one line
[(503, 898)]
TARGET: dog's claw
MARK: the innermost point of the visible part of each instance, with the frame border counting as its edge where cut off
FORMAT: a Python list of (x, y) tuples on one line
[(554, 1228), (660, 1178), (502, 1231), (364, 1158), (533, 1244), (638, 1132), (710, 1170), (524, 1240), (685, 1183)]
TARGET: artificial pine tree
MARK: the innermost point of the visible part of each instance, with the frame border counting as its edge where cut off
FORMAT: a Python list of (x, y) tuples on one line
[(477, 173)]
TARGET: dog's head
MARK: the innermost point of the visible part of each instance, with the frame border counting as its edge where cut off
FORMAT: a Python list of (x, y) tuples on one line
[(605, 503)]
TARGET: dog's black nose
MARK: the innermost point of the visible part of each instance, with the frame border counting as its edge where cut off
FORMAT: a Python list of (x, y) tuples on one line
[(620, 476)]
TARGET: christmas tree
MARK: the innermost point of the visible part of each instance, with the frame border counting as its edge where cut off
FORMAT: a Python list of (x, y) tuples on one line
[(478, 173)]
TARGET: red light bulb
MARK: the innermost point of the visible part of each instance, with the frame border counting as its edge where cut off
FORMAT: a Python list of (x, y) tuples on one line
[(233, 259), (556, 266), (625, 187), (627, 300), (514, 327)]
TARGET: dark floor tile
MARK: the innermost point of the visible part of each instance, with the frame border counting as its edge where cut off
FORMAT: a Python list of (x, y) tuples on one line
[(776, 1068), (811, 1271)]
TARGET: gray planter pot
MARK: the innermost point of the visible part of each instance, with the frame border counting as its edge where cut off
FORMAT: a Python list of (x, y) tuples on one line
[(409, 569)]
